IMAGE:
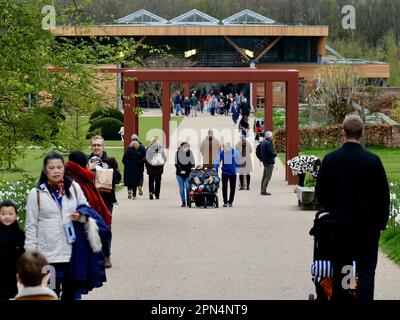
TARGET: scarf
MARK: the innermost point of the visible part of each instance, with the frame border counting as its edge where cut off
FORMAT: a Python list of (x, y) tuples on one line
[(57, 188), (85, 178)]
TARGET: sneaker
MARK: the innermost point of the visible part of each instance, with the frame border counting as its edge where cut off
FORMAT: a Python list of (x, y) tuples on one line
[(248, 188), (230, 205), (129, 194), (140, 191), (240, 188), (133, 198), (265, 193), (225, 205), (158, 197), (183, 205), (151, 196), (107, 262)]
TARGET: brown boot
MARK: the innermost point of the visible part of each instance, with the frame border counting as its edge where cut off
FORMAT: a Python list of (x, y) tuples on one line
[(107, 262)]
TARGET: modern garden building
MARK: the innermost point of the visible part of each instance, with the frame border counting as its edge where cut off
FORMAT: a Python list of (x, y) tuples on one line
[(245, 39)]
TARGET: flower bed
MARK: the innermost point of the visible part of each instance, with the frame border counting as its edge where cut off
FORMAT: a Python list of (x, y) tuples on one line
[(18, 193)]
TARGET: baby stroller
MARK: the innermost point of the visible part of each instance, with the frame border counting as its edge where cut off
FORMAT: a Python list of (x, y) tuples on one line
[(203, 188), (321, 269)]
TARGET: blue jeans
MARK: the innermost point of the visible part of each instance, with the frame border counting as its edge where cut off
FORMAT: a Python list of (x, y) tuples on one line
[(178, 109), (183, 186)]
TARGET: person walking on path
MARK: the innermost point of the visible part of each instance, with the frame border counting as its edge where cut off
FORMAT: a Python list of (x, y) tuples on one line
[(194, 102), (50, 212), (230, 160), (132, 160), (245, 150), (352, 185), (155, 161), (76, 168), (235, 112), (184, 163), (99, 157), (268, 156), (12, 240), (210, 148), (142, 151)]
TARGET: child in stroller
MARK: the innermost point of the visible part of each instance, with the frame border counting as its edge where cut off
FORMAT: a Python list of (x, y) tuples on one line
[(204, 185), (322, 269)]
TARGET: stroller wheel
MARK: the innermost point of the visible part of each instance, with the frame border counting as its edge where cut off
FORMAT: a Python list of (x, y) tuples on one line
[(205, 202), (216, 201), (311, 297), (189, 202)]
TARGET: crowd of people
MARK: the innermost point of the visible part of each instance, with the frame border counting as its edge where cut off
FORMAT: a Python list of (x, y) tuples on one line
[(212, 103), (69, 212)]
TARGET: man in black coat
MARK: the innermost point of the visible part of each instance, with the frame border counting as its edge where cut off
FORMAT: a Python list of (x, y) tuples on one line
[(353, 187)]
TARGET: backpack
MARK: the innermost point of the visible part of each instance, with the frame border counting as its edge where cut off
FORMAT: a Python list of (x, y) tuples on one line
[(258, 151)]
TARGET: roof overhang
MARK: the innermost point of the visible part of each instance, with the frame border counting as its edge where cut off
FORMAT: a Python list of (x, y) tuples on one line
[(198, 30)]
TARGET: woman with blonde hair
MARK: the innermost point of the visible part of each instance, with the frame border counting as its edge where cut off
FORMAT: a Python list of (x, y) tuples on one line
[(155, 161)]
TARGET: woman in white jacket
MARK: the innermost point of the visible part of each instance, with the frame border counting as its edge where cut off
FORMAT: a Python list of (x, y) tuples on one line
[(50, 210)]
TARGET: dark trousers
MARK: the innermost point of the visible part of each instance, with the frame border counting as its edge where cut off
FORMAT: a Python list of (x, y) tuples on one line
[(106, 245), (64, 286), (155, 184), (133, 189), (357, 243), (232, 187), (241, 179)]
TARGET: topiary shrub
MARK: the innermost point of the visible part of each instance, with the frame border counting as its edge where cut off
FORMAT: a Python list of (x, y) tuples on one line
[(109, 128), (106, 113)]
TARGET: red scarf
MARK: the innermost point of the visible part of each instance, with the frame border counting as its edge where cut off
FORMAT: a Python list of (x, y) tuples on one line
[(84, 178)]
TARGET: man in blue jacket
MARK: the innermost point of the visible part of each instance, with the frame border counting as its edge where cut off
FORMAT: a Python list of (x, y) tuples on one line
[(268, 159), (231, 160)]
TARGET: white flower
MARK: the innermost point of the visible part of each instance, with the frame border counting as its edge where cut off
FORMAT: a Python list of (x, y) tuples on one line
[(392, 196)]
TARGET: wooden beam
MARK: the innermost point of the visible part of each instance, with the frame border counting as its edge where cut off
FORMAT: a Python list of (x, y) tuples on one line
[(181, 31), (239, 50), (166, 88), (292, 126), (267, 48), (268, 101), (141, 40)]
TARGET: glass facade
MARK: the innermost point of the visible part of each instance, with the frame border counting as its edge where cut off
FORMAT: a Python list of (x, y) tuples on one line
[(217, 52)]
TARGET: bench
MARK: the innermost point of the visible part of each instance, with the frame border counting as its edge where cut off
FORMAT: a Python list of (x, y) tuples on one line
[(305, 196)]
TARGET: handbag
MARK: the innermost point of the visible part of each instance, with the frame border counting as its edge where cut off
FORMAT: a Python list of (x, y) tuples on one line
[(104, 179), (157, 159)]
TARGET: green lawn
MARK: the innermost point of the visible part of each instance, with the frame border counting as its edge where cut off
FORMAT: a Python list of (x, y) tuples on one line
[(390, 158), (33, 160)]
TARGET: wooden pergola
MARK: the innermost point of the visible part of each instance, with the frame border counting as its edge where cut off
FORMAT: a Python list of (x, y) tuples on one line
[(214, 75)]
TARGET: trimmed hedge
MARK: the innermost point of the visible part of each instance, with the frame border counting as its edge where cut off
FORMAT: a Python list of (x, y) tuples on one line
[(331, 137), (106, 113), (109, 128)]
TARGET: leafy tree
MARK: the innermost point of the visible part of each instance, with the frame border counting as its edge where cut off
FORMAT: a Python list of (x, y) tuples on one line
[(32, 60), (336, 92)]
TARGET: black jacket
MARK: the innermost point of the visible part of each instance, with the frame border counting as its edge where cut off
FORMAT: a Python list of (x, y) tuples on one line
[(352, 185), (133, 161), (12, 240), (184, 162)]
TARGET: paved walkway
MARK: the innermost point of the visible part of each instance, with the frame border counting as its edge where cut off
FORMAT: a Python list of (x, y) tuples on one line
[(259, 249)]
